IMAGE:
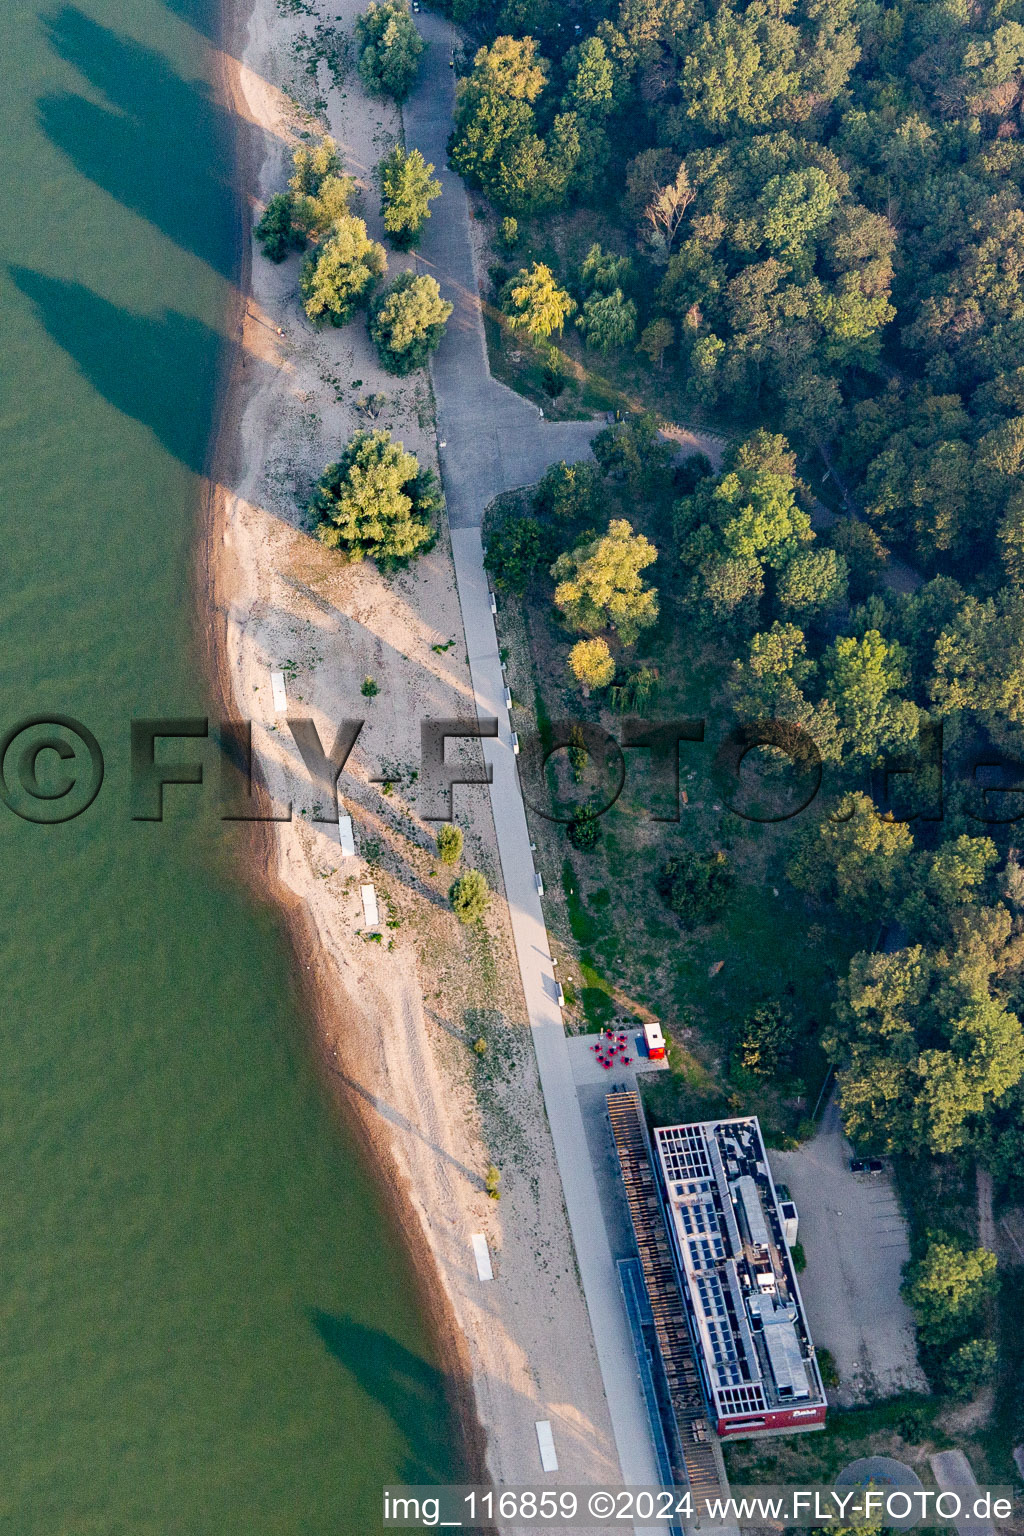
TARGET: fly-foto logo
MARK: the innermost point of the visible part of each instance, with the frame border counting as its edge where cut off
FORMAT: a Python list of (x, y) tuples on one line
[(52, 768)]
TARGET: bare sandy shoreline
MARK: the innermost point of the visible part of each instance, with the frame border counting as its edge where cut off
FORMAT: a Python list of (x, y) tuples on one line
[(392, 1027), (258, 861)]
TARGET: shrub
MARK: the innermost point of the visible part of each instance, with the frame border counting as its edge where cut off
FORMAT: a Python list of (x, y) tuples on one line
[(370, 688), (449, 843), (696, 886), (969, 1368), (591, 663), (827, 1367), (470, 896), (492, 1179), (767, 1040), (584, 829), (515, 550), (275, 230)]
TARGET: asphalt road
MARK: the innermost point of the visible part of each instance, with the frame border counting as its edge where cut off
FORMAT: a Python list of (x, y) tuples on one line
[(495, 442)]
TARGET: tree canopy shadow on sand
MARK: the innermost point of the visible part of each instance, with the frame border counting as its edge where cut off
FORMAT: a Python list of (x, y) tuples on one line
[(416, 1395), (145, 365), (135, 147)]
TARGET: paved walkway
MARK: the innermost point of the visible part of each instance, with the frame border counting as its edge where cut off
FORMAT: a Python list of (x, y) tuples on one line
[(495, 439), (953, 1473), (495, 442)]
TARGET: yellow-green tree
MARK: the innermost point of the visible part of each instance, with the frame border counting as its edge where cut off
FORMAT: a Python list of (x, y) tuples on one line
[(340, 274), (600, 585), (591, 663), (534, 303)]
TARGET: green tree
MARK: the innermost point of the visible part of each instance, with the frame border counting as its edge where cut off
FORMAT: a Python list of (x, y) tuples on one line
[(979, 661), (969, 1368), (340, 274), (407, 322), (767, 1040), (925, 1047), (275, 230), (636, 452), (470, 896), (769, 685), (1011, 538), (534, 303), (947, 1287), (863, 551), (655, 340), (696, 886), (600, 585), (376, 502), (854, 859), (944, 882), (389, 48), (602, 271), (814, 581), (495, 143), (917, 490), (591, 663), (570, 492), (796, 208), (735, 526), (315, 217), (407, 188), (516, 548), (608, 321), (591, 88), (449, 843), (863, 677), (312, 165)]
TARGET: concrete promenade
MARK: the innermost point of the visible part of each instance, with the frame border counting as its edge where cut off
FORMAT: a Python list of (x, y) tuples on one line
[(495, 439), (495, 442)]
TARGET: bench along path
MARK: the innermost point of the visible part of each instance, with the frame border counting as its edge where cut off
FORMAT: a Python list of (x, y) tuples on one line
[(496, 441)]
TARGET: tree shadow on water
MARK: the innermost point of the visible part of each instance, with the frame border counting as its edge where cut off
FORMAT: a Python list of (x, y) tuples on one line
[(162, 370), (163, 147), (203, 15), (413, 1392)]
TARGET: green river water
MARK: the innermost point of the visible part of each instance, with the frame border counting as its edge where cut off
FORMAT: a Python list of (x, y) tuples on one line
[(206, 1323)]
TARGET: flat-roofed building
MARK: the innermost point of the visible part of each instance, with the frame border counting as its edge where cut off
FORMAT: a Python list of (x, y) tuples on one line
[(736, 1274)]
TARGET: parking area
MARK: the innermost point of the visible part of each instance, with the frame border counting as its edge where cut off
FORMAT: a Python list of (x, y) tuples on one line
[(855, 1240)]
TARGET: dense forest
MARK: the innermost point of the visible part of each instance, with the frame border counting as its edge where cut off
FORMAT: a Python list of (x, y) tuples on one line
[(812, 222)]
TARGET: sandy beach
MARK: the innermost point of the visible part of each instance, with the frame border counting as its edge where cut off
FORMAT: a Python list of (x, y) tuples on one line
[(394, 1021)]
